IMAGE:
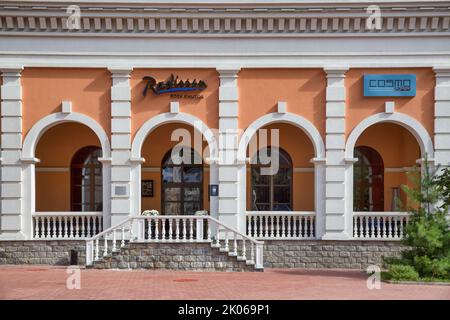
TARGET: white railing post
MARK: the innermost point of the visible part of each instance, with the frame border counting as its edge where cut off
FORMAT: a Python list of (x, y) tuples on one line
[(259, 257), (199, 227), (89, 252)]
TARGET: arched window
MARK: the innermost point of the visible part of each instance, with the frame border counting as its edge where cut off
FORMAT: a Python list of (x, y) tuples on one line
[(182, 182), (86, 180), (271, 191), (368, 180)]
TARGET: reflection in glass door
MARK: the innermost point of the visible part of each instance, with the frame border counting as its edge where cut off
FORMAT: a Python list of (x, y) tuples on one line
[(182, 183)]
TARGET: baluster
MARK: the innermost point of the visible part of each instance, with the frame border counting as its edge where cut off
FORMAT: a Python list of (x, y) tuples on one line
[(283, 231), (379, 225), (244, 251), (150, 232), (226, 240), (97, 249), (183, 221), (170, 229), (208, 232), (94, 226), (36, 227), (177, 230), (65, 235), (235, 245), (308, 227), (389, 227), (294, 226), (191, 229), (114, 248), (217, 236), (289, 220), (272, 227), (47, 230), (266, 228), (260, 226), (52, 227), (368, 233), (72, 229), (355, 226), (252, 252), (130, 230), (248, 220), (76, 227), (88, 226), (105, 245), (122, 241), (156, 229), (395, 235), (300, 226)]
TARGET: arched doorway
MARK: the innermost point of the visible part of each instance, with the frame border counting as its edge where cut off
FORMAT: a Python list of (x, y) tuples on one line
[(182, 182), (86, 180), (368, 180)]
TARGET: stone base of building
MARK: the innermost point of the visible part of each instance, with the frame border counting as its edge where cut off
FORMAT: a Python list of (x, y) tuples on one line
[(349, 254), (54, 252), (200, 256)]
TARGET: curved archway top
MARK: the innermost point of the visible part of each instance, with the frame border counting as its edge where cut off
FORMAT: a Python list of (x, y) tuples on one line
[(52, 120), (166, 118), (407, 122), (298, 121)]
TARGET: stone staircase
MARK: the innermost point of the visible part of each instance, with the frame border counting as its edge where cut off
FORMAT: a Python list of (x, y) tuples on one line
[(174, 243), (173, 256)]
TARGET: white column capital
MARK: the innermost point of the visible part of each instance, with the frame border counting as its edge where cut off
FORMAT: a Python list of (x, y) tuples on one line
[(335, 71), (442, 71), (120, 71), (11, 71), (230, 71)]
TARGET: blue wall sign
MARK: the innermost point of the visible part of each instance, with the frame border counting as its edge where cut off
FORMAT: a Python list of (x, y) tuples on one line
[(389, 85), (213, 190)]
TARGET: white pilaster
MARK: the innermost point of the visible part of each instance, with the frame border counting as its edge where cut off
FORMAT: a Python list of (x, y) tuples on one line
[(229, 169), (12, 222), (120, 145), (337, 220), (442, 117)]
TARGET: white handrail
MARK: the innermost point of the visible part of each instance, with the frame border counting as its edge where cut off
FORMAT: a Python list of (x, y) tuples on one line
[(67, 213), (382, 213), (175, 229), (281, 213)]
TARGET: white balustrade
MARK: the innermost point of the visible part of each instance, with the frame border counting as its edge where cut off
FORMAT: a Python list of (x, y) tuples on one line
[(379, 225), (281, 225), (173, 229), (66, 225)]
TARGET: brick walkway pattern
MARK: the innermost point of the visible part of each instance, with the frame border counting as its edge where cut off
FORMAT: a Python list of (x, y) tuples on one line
[(44, 282)]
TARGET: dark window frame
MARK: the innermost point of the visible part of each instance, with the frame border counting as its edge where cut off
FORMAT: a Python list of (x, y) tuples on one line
[(78, 164), (271, 184)]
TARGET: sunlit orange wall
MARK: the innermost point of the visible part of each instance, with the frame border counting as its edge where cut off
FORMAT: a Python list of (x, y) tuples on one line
[(55, 150), (143, 108), (301, 152), (45, 88), (302, 89), (398, 148), (157, 144), (420, 107)]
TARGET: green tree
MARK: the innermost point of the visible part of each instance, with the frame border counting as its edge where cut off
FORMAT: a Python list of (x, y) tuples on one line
[(427, 234)]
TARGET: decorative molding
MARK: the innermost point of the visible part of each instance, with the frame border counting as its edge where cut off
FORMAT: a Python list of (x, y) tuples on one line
[(300, 20)]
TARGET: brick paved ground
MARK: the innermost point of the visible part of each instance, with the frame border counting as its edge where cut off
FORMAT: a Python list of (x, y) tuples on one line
[(44, 282)]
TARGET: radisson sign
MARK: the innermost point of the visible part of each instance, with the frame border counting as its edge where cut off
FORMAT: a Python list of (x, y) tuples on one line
[(172, 85)]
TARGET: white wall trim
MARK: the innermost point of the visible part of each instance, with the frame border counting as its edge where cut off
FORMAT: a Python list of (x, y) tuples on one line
[(166, 118), (40, 127), (298, 121), (409, 123)]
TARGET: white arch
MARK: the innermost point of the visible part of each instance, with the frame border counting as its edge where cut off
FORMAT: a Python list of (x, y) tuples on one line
[(39, 128), (308, 128), (166, 118), (409, 123)]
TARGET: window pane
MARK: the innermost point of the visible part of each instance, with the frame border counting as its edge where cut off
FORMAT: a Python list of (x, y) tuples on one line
[(172, 194), (172, 208), (257, 178), (171, 174), (260, 195), (192, 174), (191, 207), (283, 176), (281, 195), (192, 194)]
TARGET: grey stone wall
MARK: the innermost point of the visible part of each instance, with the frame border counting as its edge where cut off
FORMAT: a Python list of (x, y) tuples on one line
[(328, 254), (200, 256), (172, 256), (54, 252)]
